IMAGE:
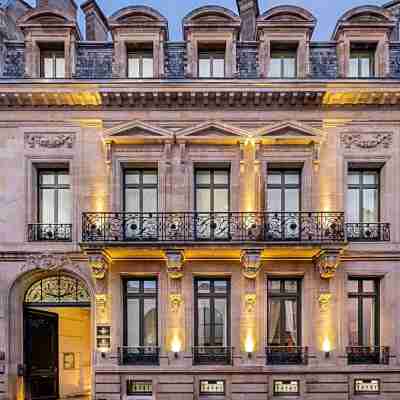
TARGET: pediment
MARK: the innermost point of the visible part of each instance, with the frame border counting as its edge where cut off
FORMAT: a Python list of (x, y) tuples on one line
[(44, 17), (211, 18), (134, 15), (366, 17), (137, 130), (287, 14), (211, 15), (290, 131), (209, 131)]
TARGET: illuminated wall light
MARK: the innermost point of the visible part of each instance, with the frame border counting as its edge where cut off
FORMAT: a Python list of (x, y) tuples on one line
[(249, 345), (176, 346), (326, 347)]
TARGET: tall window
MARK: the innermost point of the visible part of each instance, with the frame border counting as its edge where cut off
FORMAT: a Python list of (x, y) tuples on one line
[(141, 64), (283, 62), (363, 196), (212, 64), (284, 312), (363, 311), (212, 311), (361, 62), (52, 63), (55, 200), (140, 312)]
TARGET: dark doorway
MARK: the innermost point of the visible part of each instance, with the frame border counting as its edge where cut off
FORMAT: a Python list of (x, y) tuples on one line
[(41, 354)]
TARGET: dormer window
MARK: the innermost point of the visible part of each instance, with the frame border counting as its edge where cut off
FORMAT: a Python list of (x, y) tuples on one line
[(212, 62), (52, 62), (140, 61), (283, 61), (361, 61)]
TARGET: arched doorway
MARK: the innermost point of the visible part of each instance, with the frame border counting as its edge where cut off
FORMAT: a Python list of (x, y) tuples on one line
[(57, 338)]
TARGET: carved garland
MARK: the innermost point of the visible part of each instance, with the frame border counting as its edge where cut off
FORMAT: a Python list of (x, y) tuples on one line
[(367, 140), (47, 262), (50, 141)]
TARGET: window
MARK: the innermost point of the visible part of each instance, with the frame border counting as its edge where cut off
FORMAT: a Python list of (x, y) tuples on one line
[(141, 64), (52, 62), (283, 62), (212, 312), (363, 311), (55, 199), (363, 196), (361, 62), (212, 61), (284, 312)]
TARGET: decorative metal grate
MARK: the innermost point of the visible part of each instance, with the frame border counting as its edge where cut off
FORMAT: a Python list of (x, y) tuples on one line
[(286, 355), (182, 227), (139, 355), (56, 290), (212, 355), (376, 232), (368, 355), (49, 232)]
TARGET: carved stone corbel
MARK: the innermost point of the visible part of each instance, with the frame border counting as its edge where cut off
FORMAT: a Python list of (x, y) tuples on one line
[(175, 263), (324, 301), (328, 262), (98, 266), (175, 301), (251, 262)]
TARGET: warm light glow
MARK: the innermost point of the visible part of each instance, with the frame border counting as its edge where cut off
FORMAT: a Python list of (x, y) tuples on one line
[(249, 344), (176, 345), (326, 345)]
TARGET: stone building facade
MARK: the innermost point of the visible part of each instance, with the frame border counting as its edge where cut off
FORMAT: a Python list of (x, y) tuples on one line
[(212, 218)]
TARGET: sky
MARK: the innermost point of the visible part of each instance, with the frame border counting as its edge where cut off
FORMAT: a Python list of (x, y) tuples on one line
[(327, 12)]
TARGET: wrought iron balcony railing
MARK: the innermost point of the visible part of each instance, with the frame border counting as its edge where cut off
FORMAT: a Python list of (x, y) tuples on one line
[(368, 355), (49, 232), (139, 355), (212, 355), (286, 355), (189, 226), (374, 232)]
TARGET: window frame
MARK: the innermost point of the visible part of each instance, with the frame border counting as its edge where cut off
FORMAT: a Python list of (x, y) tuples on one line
[(56, 172), (212, 296), (282, 56), (211, 56), (359, 55), (282, 296), (55, 54), (141, 296), (140, 55), (360, 295), (360, 187)]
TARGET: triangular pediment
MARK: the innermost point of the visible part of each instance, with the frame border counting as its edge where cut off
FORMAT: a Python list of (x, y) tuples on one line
[(289, 130), (139, 130), (213, 130)]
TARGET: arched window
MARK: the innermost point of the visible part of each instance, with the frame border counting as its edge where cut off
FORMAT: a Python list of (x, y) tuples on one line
[(60, 290)]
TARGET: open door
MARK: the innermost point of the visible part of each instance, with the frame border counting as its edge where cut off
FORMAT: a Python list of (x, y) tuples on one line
[(41, 355)]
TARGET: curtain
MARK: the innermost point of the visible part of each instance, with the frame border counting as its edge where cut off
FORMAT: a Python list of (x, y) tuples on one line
[(274, 318)]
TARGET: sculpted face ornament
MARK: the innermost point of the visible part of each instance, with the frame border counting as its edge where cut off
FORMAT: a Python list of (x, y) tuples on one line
[(251, 263), (98, 267), (175, 263), (327, 264)]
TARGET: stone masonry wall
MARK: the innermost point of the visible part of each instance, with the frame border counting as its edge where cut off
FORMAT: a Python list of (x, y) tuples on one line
[(247, 60), (14, 62), (94, 61), (323, 61), (175, 60)]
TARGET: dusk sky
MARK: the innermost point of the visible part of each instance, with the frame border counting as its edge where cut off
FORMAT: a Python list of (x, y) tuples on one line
[(326, 12)]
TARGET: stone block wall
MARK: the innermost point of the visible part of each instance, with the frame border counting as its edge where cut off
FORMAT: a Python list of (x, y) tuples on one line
[(94, 61), (323, 61), (175, 60), (394, 61), (247, 60), (14, 60)]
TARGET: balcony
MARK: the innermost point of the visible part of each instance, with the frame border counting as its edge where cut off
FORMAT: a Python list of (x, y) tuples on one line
[(286, 355), (303, 227), (368, 355), (374, 232), (49, 232), (208, 355), (139, 355)]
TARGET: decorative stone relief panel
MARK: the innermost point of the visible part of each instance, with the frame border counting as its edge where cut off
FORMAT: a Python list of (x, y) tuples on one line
[(324, 301), (366, 141), (250, 301), (47, 262), (176, 302), (49, 140)]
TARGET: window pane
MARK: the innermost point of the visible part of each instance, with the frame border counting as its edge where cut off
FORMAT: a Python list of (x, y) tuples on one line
[(48, 71), (274, 179), (274, 322), (370, 210), (203, 177), (133, 286), (352, 312), (221, 177), (292, 178), (370, 178), (133, 67), (353, 68), (275, 68), (203, 286), (291, 286), (274, 200), (365, 64), (148, 71), (289, 68), (150, 177), (64, 206), (291, 322), (368, 286), (149, 200), (204, 68), (132, 177), (368, 322), (221, 200), (219, 68), (60, 67), (150, 322), (274, 286), (133, 322), (292, 200), (48, 206), (203, 200), (220, 322), (204, 333), (64, 179), (150, 286), (47, 179), (352, 286), (220, 286), (353, 205), (353, 178), (132, 200)]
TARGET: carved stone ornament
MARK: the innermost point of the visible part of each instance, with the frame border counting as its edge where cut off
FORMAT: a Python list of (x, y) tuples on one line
[(250, 301), (175, 262), (251, 263), (47, 262), (324, 300), (101, 306), (367, 140), (98, 267), (50, 141), (175, 301), (327, 263)]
